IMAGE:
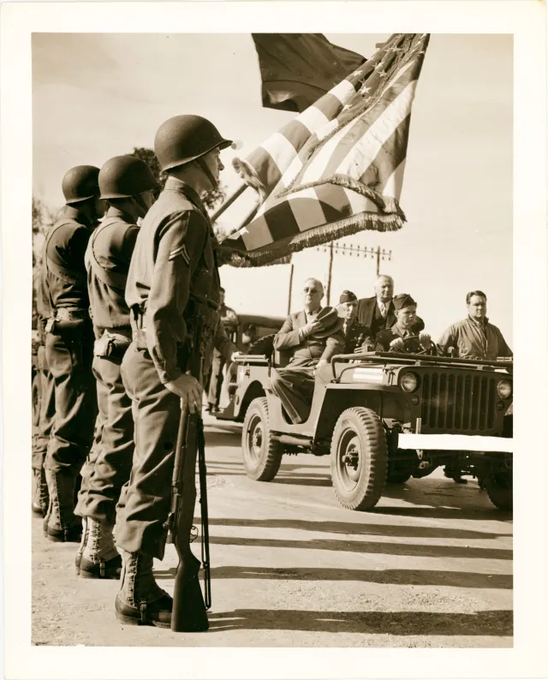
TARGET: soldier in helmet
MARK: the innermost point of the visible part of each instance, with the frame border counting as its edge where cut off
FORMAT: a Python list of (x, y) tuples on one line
[(63, 303), (173, 281), (127, 184)]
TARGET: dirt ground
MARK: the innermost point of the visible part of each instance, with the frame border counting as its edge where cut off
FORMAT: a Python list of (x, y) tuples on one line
[(431, 566)]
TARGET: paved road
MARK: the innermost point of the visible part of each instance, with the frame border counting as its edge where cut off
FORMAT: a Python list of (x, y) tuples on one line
[(430, 567)]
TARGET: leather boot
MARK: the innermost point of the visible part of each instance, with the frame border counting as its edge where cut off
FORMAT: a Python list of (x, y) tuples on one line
[(141, 601), (100, 559), (61, 524), (40, 496)]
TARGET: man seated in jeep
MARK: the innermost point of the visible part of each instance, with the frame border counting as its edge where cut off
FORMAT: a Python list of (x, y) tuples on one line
[(402, 336), (357, 336), (314, 336)]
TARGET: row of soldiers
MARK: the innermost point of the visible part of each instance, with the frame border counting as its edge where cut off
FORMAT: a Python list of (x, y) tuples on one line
[(124, 311)]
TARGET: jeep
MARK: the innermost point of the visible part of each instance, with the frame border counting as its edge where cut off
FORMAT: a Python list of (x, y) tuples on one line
[(384, 417)]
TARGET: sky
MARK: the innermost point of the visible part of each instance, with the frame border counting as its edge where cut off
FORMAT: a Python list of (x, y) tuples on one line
[(99, 95)]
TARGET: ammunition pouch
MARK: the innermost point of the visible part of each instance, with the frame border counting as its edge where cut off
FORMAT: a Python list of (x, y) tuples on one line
[(112, 344), (66, 320)]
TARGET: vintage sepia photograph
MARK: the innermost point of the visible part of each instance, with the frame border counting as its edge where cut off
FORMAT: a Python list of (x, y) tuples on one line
[(273, 320)]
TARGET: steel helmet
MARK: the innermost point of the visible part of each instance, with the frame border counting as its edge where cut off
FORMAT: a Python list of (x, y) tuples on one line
[(80, 184), (125, 176), (183, 139)]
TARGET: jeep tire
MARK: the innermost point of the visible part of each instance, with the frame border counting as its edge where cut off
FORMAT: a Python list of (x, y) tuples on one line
[(499, 489), (359, 458), (262, 455)]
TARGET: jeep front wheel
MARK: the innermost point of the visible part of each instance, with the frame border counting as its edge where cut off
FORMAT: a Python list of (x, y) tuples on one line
[(262, 455), (499, 489), (359, 458)]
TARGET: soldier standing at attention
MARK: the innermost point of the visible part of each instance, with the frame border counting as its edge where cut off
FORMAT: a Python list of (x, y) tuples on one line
[(127, 184), (173, 281), (64, 305)]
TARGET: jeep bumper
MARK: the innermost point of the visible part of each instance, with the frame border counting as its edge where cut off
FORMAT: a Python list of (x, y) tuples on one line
[(455, 442)]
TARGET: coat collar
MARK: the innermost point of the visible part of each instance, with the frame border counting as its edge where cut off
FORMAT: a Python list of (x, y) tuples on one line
[(174, 184)]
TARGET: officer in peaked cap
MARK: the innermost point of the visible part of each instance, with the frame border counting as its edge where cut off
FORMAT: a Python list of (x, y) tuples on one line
[(173, 281), (63, 304), (127, 184)]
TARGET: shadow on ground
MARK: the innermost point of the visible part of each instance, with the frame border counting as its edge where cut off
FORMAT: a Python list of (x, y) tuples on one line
[(491, 623), (412, 577)]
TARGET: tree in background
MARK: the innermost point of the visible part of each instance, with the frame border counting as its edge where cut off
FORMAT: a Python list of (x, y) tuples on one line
[(211, 200)]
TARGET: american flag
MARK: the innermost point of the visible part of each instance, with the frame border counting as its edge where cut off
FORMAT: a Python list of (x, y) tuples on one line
[(337, 168)]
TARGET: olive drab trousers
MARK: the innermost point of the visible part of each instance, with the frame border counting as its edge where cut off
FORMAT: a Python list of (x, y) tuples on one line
[(145, 502), (69, 357), (46, 411), (112, 459)]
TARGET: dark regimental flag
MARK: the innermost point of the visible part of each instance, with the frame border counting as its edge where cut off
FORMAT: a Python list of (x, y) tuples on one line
[(337, 168), (298, 68)]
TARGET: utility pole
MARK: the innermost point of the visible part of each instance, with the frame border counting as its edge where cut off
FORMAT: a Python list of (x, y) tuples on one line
[(352, 251), (330, 273), (290, 288)]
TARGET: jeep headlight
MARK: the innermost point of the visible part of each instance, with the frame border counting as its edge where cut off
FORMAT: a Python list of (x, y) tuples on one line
[(409, 382), (504, 389)]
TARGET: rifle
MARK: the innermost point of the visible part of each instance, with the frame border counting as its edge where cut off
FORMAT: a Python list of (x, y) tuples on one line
[(189, 609)]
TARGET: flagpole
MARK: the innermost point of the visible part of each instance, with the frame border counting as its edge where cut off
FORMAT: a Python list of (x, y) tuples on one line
[(229, 201)]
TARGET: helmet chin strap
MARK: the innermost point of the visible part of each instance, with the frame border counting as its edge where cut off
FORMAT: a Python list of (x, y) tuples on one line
[(138, 199), (207, 172)]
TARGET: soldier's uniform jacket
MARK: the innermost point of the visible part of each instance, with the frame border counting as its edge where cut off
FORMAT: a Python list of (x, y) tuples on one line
[(63, 276), (108, 257), (413, 346), (173, 276), (355, 335)]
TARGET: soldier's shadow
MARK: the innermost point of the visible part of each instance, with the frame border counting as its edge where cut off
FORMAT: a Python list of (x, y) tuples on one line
[(494, 622)]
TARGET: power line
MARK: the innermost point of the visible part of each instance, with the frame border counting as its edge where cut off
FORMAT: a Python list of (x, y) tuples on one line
[(352, 250)]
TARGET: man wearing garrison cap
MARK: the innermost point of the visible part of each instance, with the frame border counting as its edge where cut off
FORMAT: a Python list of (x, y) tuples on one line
[(402, 337), (357, 336), (314, 336)]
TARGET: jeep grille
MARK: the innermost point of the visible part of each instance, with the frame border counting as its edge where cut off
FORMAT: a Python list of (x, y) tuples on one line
[(459, 403)]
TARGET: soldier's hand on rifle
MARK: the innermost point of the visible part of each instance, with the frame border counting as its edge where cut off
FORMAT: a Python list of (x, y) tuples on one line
[(189, 389)]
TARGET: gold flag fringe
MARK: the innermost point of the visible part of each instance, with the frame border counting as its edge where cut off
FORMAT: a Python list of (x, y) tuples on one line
[(318, 236)]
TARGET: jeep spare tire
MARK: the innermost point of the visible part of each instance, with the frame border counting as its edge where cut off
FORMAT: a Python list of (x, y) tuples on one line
[(264, 345), (262, 455), (359, 458)]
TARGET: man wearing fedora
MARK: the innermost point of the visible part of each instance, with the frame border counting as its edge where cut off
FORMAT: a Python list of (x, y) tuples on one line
[(402, 336), (314, 335)]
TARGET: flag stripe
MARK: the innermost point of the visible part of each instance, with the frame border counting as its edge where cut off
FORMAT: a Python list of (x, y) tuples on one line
[(391, 154), (329, 174)]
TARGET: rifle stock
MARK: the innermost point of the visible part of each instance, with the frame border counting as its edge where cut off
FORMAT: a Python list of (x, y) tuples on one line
[(189, 611)]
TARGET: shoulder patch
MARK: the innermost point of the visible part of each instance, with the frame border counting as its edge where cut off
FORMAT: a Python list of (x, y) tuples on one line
[(182, 251)]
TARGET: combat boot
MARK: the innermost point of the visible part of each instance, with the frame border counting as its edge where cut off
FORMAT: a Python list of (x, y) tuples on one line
[(40, 495), (61, 524), (141, 601), (82, 546), (100, 559)]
